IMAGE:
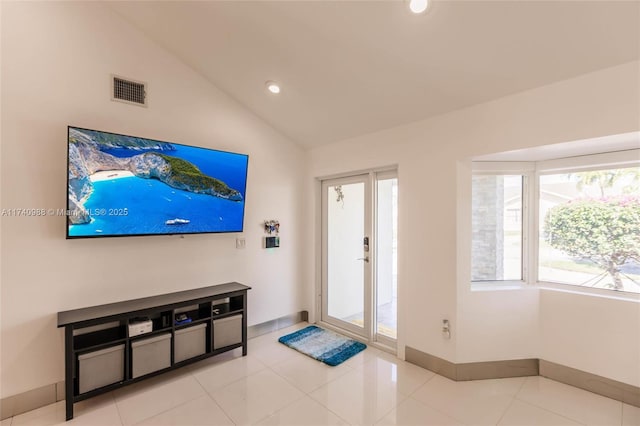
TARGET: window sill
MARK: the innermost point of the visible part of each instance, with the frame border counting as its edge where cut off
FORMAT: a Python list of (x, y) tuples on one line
[(499, 286), (564, 288), (588, 291)]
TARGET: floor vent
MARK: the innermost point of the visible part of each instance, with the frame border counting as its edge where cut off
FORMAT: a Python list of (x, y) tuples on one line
[(129, 91)]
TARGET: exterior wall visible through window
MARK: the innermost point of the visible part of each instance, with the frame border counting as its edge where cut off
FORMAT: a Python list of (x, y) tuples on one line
[(496, 227)]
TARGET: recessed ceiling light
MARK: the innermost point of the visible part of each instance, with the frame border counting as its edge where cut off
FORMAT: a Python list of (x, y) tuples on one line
[(418, 6), (273, 87)]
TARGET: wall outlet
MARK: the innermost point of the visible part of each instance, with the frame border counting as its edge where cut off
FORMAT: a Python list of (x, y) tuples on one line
[(240, 243), (446, 329)]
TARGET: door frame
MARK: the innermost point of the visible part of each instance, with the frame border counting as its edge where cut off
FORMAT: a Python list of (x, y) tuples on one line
[(380, 339), (368, 333)]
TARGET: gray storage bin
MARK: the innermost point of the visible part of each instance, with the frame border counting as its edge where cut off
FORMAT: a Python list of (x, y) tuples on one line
[(190, 342), (227, 331), (152, 354), (101, 368)]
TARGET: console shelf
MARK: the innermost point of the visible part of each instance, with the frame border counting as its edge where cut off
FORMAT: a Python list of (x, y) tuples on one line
[(98, 338), (185, 327)]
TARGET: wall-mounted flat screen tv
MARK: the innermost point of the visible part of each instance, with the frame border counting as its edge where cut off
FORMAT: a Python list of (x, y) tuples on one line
[(122, 185)]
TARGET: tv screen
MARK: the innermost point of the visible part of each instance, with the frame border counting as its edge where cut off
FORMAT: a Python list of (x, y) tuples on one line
[(122, 185)]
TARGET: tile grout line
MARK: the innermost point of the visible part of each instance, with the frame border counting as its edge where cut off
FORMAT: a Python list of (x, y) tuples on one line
[(280, 409), (308, 394), (351, 370), (161, 383), (406, 396), (622, 414), (266, 367), (422, 384), (173, 408), (207, 393), (36, 409), (426, 381), (221, 408), (395, 407), (513, 398), (397, 391), (552, 412), (115, 402), (361, 367), (437, 409), (157, 414), (327, 408), (524, 382), (305, 394), (410, 396), (548, 410)]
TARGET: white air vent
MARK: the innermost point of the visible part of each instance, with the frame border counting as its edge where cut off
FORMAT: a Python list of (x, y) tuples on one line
[(128, 91)]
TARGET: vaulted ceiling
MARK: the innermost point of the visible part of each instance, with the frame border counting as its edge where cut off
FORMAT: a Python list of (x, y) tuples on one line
[(349, 68)]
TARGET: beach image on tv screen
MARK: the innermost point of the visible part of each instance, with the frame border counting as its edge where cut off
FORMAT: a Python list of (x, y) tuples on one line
[(122, 185)]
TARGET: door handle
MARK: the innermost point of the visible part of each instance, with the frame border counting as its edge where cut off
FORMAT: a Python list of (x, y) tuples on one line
[(366, 259)]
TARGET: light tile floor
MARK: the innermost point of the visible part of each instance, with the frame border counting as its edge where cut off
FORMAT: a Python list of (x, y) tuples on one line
[(275, 385)]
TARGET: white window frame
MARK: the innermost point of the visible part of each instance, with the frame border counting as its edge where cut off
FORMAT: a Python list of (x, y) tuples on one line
[(603, 161), (527, 171), (531, 171)]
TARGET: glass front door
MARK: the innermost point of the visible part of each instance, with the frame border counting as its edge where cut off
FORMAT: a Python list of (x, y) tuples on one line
[(359, 235)]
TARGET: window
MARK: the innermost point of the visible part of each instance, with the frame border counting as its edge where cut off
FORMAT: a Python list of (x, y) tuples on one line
[(584, 224), (589, 228), (496, 227)]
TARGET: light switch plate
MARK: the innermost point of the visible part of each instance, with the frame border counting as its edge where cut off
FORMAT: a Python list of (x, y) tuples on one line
[(240, 243)]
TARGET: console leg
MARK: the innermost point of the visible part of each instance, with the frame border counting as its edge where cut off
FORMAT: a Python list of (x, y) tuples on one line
[(244, 324), (68, 370), (69, 409)]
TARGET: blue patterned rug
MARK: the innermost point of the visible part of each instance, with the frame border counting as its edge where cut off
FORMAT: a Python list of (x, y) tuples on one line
[(326, 346)]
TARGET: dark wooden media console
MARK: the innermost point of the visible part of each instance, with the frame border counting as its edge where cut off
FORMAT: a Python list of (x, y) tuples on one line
[(113, 345)]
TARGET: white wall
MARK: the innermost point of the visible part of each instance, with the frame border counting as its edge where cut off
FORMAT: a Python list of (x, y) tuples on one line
[(604, 331), (56, 62), (433, 158)]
